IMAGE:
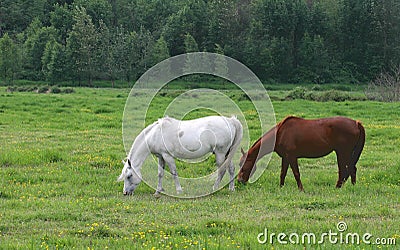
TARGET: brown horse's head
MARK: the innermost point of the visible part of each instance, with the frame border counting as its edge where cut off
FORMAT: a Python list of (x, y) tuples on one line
[(247, 167)]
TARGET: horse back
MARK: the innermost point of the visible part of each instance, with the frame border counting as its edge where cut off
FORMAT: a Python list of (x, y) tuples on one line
[(190, 139), (343, 130), (316, 138)]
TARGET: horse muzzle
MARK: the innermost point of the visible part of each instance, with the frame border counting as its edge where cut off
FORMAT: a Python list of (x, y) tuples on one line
[(127, 193), (241, 180)]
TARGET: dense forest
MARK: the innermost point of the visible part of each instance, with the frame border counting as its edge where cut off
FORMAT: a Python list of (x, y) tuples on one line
[(295, 41)]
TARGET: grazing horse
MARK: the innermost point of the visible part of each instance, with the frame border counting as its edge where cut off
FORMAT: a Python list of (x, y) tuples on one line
[(295, 138), (169, 138)]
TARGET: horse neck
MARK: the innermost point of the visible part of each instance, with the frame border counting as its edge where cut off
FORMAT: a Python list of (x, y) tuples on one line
[(139, 151), (265, 145)]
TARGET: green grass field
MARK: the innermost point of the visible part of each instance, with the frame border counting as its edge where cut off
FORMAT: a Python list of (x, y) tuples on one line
[(61, 154)]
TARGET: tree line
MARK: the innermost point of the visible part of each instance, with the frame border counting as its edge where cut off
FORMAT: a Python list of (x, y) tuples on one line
[(80, 41)]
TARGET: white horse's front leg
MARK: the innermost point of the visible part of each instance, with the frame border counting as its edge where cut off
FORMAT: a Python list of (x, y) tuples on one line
[(172, 167), (161, 168)]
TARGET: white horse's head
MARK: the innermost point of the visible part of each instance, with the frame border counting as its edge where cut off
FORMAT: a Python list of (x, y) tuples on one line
[(130, 177)]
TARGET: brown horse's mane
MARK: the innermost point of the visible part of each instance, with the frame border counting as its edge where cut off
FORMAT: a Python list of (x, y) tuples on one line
[(277, 127)]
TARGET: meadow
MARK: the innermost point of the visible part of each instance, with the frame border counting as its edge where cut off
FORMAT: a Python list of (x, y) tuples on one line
[(61, 154)]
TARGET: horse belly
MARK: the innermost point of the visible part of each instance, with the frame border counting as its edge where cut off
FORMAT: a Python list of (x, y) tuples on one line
[(314, 154), (195, 144), (304, 146), (314, 148)]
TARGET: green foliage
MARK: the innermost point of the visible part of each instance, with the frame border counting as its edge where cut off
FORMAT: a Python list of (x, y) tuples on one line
[(54, 62), (61, 18), (333, 95), (43, 89), (160, 51), (98, 10), (34, 48), (190, 44), (317, 94), (220, 64), (366, 33), (81, 44), (9, 56), (189, 19), (299, 41), (313, 60), (40, 89), (191, 63), (297, 93), (144, 45), (17, 15)]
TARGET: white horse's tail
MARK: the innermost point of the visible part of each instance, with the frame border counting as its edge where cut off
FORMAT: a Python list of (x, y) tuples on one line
[(236, 142)]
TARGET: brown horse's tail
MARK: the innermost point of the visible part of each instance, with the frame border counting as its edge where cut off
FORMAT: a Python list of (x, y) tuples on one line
[(357, 152)]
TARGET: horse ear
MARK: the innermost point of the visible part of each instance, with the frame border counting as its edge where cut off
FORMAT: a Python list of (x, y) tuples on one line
[(241, 150), (129, 163)]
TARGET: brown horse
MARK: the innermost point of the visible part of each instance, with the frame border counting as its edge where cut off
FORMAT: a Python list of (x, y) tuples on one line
[(295, 138)]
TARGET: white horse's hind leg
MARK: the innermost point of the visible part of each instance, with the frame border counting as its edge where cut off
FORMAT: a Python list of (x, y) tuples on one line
[(161, 167), (172, 167), (232, 176), (219, 159)]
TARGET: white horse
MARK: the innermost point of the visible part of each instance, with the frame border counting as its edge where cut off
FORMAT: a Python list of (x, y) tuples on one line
[(169, 138)]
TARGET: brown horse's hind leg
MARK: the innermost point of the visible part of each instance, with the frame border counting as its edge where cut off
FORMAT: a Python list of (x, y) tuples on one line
[(295, 169), (284, 169), (353, 173), (343, 160)]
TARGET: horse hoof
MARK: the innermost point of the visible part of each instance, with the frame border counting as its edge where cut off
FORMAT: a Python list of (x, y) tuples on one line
[(157, 194), (179, 191)]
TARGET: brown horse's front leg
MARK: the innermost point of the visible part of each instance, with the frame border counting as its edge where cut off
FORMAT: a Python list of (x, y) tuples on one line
[(295, 169), (342, 176), (284, 169)]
